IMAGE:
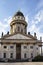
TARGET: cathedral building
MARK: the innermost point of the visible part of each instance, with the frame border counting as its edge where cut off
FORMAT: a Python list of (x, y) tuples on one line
[(18, 45)]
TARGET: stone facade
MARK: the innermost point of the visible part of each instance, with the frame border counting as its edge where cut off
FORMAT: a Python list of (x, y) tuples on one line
[(25, 49)]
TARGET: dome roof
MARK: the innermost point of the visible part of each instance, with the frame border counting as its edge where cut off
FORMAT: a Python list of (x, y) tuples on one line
[(19, 14)]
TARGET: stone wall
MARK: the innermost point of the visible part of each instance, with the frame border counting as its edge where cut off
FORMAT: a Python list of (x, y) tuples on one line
[(25, 48), (8, 50)]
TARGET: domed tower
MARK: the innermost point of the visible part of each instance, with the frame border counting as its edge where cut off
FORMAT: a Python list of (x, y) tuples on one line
[(18, 23)]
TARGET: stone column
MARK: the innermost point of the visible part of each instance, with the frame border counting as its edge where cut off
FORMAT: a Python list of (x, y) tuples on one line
[(41, 50)]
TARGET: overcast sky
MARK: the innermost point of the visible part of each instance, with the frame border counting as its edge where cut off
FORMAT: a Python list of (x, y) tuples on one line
[(32, 10)]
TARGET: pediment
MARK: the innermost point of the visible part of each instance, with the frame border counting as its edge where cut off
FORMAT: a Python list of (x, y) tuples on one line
[(18, 36)]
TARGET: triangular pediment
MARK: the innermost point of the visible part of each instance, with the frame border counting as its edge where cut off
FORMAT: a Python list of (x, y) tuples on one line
[(18, 36)]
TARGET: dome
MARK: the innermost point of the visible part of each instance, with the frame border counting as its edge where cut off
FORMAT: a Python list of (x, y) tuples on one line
[(19, 14)]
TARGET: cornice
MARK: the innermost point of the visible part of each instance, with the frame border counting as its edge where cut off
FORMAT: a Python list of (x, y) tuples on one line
[(27, 35)]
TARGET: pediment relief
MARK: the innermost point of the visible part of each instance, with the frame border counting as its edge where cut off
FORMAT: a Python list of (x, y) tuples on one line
[(18, 36)]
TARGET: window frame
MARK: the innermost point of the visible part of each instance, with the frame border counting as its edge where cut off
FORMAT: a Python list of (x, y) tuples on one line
[(11, 55)]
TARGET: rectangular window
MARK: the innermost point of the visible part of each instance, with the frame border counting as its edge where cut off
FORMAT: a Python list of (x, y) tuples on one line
[(25, 55), (37, 48), (31, 47), (11, 55), (31, 55), (4, 55), (5, 46), (25, 47), (11, 46)]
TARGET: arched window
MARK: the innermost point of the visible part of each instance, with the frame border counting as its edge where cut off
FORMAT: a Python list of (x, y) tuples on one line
[(18, 28), (21, 30)]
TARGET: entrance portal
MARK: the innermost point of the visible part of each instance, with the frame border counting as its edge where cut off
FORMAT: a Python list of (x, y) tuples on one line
[(18, 51)]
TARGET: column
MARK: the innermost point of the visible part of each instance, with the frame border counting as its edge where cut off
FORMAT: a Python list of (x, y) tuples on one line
[(41, 49)]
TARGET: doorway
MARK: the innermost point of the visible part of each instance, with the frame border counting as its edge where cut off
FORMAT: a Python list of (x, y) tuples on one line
[(18, 51)]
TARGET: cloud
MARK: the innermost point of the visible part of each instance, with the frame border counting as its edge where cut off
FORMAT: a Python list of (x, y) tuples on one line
[(8, 20), (38, 17), (4, 26), (39, 5), (35, 25), (27, 18)]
